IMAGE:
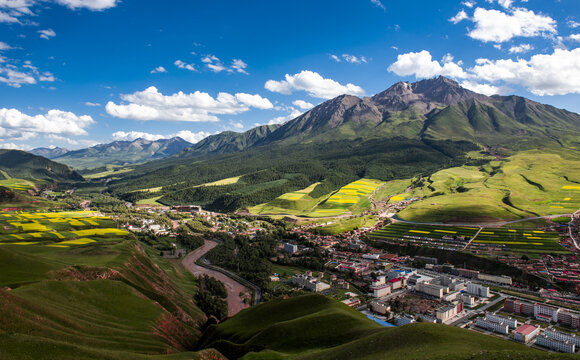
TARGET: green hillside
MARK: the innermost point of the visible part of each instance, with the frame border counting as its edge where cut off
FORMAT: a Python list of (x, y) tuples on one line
[(72, 287), (16, 164), (315, 327)]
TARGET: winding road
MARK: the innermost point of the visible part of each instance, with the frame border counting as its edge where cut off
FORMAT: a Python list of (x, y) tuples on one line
[(235, 303)]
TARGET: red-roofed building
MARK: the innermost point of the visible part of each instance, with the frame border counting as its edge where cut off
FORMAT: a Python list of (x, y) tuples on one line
[(526, 333)]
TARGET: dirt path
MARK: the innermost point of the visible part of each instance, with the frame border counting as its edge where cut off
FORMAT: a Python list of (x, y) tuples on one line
[(235, 303)]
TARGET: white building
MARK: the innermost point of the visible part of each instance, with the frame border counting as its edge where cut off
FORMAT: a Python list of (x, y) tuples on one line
[(478, 290), (546, 312), (512, 323), (554, 344), (468, 301), (310, 283), (431, 289), (380, 307), (562, 336), (290, 248), (493, 326), (381, 290)]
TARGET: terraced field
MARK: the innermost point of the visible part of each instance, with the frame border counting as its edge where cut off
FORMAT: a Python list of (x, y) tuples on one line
[(56, 230), (352, 198), (17, 184), (509, 240), (519, 241)]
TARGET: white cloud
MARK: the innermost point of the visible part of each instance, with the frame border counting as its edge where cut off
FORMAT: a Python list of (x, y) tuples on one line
[(255, 101), (349, 58), (422, 65), (184, 134), (378, 3), (239, 66), (505, 3), (520, 49), (4, 46), (6, 18), (303, 104), (573, 24), (27, 74), (543, 74), (47, 34), (92, 104), (182, 65), (94, 5), (469, 4), (460, 16), (237, 125), (15, 125), (553, 74), (498, 26), (575, 37), (150, 104), (282, 119), (158, 70), (484, 89), (13, 146), (314, 84)]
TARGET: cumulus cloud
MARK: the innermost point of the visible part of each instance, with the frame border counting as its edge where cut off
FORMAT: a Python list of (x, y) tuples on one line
[(182, 65), (15, 125), (520, 49), (158, 70), (314, 84), (573, 23), (505, 3), (13, 146), (543, 74), (379, 4), (349, 58), (282, 119), (485, 89), (422, 65), (150, 104), (460, 16), (469, 4), (26, 74), (47, 34), (303, 104), (94, 5), (575, 37), (186, 135), (239, 66), (4, 46), (498, 26)]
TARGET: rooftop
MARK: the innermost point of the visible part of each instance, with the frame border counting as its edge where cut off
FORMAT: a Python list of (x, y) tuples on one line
[(526, 329)]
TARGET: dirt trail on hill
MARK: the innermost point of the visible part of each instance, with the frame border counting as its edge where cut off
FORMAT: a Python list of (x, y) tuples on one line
[(235, 303)]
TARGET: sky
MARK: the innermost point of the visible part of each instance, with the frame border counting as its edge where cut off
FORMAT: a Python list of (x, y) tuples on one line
[(75, 73)]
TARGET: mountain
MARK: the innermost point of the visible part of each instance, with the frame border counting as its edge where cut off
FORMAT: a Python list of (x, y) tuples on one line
[(410, 129), (22, 165), (49, 153), (229, 141), (123, 152)]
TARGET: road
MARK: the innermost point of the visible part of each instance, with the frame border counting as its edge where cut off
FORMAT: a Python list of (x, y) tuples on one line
[(235, 303)]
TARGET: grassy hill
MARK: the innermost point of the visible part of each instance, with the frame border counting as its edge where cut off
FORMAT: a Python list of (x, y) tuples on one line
[(315, 327), (16, 164), (73, 288)]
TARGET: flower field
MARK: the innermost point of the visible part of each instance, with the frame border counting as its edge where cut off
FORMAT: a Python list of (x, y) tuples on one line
[(57, 230)]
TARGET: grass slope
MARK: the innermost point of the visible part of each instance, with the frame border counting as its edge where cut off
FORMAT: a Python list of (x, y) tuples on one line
[(315, 327)]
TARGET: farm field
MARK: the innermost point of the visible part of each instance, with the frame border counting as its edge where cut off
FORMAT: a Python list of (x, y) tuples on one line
[(56, 229), (17, 184), (505, 239), (521, 186), (350, 199)]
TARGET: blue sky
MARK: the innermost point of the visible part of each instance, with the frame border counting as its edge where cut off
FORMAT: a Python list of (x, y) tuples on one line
[(74, 73)]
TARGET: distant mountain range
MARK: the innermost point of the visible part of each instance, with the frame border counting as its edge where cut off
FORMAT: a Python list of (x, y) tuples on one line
[(433, 109), (22, 165), (115, 153)]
